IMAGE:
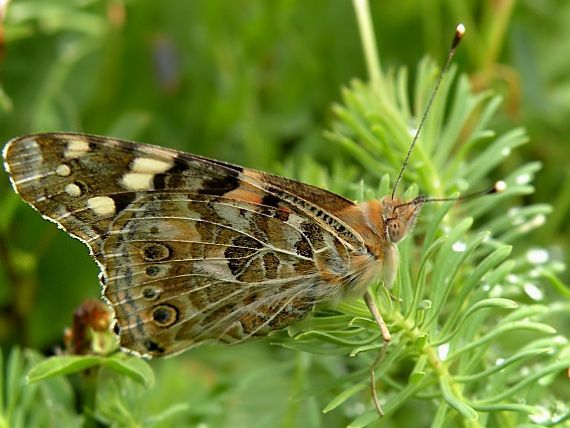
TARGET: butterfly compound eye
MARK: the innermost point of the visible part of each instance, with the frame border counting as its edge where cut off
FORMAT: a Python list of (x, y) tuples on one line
[(395, 230)]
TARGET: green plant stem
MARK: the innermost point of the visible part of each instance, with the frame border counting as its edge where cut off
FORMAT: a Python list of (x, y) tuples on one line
[(88, 395), (413, 335), (499, 15), (302, 363), (366, 29)]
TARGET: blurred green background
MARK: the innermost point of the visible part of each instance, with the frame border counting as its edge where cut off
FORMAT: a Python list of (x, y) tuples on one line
[(250, 82)]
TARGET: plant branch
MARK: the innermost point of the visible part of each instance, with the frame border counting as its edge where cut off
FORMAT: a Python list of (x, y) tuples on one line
[(366, 29)]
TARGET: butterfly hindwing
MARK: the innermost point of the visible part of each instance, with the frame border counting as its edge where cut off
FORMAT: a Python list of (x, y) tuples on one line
[(183, 269)]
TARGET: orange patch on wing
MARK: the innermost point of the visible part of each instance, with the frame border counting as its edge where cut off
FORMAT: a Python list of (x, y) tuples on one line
[(246, 194), (256, 175)]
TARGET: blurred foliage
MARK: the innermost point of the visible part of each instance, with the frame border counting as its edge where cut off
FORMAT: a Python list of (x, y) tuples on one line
[(252, 82)]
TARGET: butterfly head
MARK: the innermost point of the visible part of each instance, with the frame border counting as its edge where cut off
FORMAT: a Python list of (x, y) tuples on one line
[(400, 217)]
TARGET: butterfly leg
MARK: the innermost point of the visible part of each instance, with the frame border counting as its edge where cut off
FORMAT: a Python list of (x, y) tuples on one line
[(386, 337)]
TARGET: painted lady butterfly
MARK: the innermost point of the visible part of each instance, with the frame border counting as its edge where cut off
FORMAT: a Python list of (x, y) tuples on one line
[(193, 250)]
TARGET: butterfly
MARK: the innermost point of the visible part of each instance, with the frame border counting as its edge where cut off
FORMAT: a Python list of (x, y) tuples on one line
[(194, 250)]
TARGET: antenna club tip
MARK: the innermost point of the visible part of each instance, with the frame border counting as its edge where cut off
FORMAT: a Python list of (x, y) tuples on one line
[(500, 186), (460, 30)]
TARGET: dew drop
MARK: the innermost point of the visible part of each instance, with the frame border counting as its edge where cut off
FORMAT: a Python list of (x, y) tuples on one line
[(499, 361), (539, 220), (535, 222), (523, 179), (442, 351), (533, 291), (506, 151), (513, 279), (537, 256), (500, 186), (541, 416), (535, 273), (459, 247)]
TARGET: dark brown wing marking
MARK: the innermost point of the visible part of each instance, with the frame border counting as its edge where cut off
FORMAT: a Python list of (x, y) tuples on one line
[(227, 271)]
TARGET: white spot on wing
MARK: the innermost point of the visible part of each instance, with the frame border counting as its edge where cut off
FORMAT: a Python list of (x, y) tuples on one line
[(75, 149), (101, 205), (63, 170), (73, 190), (137, 181), (149, 165), (31, 145)]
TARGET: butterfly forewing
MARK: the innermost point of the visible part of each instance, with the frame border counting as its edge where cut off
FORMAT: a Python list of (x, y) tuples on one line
[(191, 249)]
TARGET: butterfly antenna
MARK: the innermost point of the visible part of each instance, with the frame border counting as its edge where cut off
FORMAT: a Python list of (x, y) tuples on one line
[(459, 31), (499, 186)]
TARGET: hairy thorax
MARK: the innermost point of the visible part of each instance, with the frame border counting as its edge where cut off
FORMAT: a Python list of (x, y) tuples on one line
[(379, 261)]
